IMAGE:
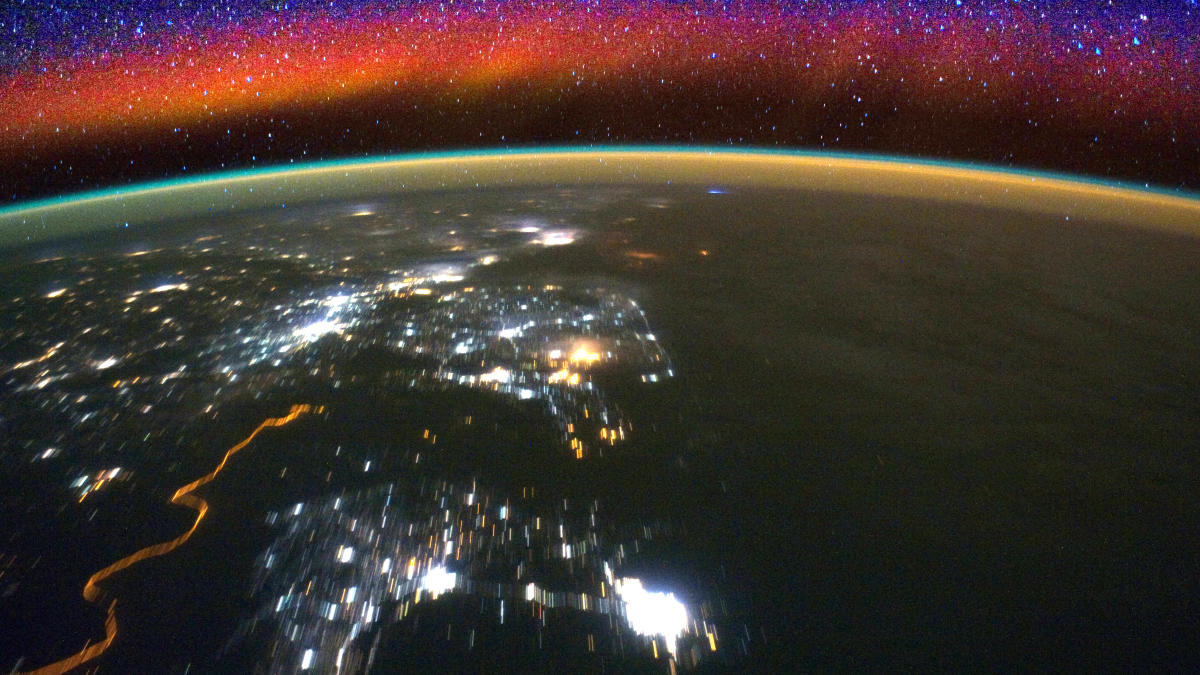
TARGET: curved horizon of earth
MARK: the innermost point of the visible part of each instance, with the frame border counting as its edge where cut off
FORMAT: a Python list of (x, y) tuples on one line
[(604, 411), (1081, 197)]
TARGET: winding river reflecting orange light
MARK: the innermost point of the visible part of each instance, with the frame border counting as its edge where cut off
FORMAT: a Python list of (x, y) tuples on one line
[(183, 497)]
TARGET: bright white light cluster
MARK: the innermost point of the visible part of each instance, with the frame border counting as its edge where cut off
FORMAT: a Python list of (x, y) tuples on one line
[(437, 580), (169, 287), (652, 613), (329, 324), (497, 375), (556, 238), (441, 274), (316, 329)]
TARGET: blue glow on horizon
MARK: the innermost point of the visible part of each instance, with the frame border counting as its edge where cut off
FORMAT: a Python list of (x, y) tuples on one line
[(284, 170)]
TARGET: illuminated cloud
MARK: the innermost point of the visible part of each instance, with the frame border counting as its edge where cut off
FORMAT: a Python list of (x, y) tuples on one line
[(556, 238)]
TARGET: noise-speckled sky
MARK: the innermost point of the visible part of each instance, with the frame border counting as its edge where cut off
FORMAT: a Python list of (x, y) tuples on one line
[(98, 96)]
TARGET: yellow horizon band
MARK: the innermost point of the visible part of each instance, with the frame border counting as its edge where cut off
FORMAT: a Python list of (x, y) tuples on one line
[(218, 195)]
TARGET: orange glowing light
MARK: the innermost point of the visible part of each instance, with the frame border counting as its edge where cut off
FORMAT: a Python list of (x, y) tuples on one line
[(182, 496)]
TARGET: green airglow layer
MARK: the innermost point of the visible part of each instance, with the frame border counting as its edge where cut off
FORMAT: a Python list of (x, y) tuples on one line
[(1072, 197)]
